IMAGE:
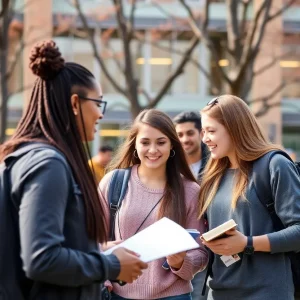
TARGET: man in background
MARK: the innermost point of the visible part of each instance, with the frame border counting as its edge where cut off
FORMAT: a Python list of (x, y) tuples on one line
[(100, 161), (189, 130)]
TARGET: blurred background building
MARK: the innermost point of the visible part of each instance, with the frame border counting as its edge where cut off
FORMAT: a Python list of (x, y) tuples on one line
[(161, 39)]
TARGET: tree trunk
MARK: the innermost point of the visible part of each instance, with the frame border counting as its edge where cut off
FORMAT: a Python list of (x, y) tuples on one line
[(135, 107)]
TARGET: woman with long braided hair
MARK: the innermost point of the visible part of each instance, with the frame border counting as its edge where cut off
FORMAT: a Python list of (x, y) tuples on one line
[(55, 202)]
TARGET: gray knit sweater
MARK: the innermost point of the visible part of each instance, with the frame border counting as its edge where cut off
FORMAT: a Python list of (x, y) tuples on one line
[(261, 276)]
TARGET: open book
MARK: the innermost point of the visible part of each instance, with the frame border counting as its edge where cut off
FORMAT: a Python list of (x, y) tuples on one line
[(219, 231), (194, 233)]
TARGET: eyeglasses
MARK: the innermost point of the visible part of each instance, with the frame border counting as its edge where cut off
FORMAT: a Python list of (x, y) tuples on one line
[(213, 101), (101, 102)]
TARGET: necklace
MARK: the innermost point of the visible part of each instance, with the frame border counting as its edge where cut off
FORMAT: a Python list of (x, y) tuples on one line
[(143, 220)]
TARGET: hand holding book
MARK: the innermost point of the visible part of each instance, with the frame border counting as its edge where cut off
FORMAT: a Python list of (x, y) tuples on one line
[(219, 231), (234, 242)]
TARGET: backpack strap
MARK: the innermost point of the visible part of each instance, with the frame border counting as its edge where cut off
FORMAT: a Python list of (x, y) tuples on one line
[(116, 193), (261, 178)]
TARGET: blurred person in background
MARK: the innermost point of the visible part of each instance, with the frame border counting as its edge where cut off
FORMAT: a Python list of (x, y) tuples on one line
[(189, 130), (99, 162)]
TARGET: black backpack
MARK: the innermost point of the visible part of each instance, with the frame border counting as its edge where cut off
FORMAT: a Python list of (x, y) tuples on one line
[(13, 283), (116, 193), (261, 179)]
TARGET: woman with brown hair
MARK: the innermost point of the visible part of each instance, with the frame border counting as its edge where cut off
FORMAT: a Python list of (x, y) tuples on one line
[(161, 184), (58, 219), (256, 264)]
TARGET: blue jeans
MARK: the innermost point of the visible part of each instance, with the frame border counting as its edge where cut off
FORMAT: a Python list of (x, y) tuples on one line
[(180, 297), (198, 283)]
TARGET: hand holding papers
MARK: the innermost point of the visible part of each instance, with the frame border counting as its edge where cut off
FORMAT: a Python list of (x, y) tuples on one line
[(161, 239), (194, 233)]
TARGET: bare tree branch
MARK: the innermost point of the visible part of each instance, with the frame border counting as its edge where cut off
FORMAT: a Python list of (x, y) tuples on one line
[(205, 16), (115, 58), (131, 19), (144, 92), (271, 63), (265, 108), (130, 76), (14, 63), (202, 33), (5, 4), (244, 17), (281, 11), (266, 105), (179, 70), (261, 32), (233, 28), (192, 21), (163, 10), (247, 50), (175, 51), (277, 90), (95, 50)]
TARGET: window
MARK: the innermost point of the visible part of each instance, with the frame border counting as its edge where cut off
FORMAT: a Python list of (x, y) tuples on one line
[(161, 59), (167, 50), (217, 85), (188, 82), (112, 53), (290, 66), (114, 59)]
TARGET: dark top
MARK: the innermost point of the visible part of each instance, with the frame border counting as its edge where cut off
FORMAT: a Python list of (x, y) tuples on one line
[(56, 253), (205, 156), (263, 275)]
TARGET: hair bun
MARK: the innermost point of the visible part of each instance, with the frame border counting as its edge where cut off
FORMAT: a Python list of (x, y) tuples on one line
[(46, 60)]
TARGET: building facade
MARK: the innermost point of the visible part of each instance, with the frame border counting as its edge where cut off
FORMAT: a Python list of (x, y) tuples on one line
[(156, 53)]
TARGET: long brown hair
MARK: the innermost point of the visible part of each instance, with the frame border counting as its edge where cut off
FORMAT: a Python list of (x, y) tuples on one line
[(173, 203), (49, 118), (248, 141)]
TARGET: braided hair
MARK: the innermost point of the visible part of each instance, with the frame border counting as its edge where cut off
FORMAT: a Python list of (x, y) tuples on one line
[(49, 118)]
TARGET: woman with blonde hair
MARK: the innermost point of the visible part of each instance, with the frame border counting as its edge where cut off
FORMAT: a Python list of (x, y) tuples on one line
[(161, 184), (262, 269)]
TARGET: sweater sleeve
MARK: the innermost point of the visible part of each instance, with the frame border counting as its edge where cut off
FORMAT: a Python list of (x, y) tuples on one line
[(285, 185), (195, 260), (44, 191)]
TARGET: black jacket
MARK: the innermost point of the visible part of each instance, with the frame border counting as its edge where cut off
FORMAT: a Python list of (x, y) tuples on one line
[(58, 260)]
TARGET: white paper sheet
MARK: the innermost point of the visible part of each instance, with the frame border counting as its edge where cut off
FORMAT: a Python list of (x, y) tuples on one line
[(161, 239)]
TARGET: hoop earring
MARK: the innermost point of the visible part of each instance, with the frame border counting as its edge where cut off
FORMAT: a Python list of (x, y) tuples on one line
[(172, 153), (135, 154)]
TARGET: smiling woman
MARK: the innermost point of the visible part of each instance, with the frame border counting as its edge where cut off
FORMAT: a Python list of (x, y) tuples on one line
[(53, 215), (161, 184), (240, 157)]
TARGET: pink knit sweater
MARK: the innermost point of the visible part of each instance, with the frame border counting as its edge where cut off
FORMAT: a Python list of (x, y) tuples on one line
[(155, 281)]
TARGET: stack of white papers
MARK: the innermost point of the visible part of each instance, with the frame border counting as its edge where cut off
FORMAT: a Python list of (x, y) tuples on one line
[(161, 239)]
